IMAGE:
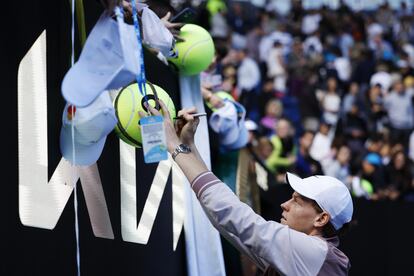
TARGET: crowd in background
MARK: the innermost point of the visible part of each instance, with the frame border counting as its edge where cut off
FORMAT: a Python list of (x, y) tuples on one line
[(326, 91)]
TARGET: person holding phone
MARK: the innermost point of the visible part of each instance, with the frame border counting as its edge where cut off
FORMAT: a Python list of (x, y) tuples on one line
[(304, 242), (172, 24)]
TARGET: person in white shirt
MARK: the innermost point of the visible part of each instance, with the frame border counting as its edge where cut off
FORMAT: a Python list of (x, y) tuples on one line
[(320, 149), (276, 67), (248, 80), (331, 102), (248, 72)]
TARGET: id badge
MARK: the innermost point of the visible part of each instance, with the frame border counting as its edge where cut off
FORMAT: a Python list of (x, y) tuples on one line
[(153, 139)]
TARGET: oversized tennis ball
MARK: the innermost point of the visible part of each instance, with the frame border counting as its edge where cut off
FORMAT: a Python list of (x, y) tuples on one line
[(196, 52), (223, 95), (127, 105)]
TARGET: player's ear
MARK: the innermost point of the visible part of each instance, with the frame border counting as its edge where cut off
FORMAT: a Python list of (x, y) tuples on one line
[(321, 219)]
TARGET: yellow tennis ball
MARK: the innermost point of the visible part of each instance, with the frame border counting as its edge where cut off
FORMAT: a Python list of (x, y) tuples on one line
[(127, 105), (196, 52)]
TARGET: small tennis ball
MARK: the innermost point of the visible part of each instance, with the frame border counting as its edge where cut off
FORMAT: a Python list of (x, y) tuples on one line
[(214, 6), (196, 52), (223, 95), (127, 105)]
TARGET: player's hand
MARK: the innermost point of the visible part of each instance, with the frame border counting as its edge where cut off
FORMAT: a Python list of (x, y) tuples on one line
[(174, 28), (187, 126)]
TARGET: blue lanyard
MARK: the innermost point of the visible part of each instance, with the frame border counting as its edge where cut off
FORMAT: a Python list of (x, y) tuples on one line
[(141, 79)]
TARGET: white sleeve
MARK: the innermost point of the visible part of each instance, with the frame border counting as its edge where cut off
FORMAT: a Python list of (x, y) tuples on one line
[(288, 251)]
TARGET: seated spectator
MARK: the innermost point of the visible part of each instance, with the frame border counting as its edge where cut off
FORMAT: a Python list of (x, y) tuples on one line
[(374, 109), (339, 166), (284, 150), (266, 94), (273, 112), (219, 26), (399, 105), (305, 165), (374, 143), (321, 145), (373, 172), (248, 80), (310, 109), (350, 98), (382, 48), (354, 129), (263, 149), (298, 68), (331, 102), (276, 67), (382, 78), (398, 176), (385, 153)]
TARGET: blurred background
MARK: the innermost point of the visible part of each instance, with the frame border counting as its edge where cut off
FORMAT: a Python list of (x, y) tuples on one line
[(328, 87)]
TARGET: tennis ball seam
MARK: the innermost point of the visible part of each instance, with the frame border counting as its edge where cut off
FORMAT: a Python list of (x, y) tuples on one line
[(191, 47), (133, 108), (121, 128)]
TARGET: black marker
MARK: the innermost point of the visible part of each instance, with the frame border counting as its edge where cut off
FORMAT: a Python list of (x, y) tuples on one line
[(195, 115)]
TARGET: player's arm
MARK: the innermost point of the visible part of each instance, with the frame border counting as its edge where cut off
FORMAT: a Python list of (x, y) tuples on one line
[(289, 251)]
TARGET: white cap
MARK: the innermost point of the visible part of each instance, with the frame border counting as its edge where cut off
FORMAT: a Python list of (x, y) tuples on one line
[(331, 195), (250, 125), (228, 122), (91, 125), (109, 60)]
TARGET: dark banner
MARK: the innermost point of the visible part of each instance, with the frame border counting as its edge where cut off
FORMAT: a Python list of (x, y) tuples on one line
[(36, 52)]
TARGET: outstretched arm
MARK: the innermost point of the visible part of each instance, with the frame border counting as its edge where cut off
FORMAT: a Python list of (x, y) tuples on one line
[(265, 242)]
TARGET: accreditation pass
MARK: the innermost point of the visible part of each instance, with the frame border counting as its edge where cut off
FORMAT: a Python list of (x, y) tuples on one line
[(153, 139)]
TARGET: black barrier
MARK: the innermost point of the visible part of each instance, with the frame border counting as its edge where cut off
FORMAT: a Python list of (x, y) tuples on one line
[(34, 251)]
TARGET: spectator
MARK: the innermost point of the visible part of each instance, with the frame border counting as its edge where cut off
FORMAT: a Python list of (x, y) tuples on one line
[(350, 98), (310, 22), (252, 45), (276, 67), (305, 165), (382, 78), (373, 173), (263, 149), (321, 145), (297, 68), (273, 112), (399, 105), (331, 102), (398, 176), (339, 166), (342, 65), (309, 107), (354, 129), (219, 27), (284, 150), (248, 80), (382, 48), (374, 110), (345, 42), (365, 66)]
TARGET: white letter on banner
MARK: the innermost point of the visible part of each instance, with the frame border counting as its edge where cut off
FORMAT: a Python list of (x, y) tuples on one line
[(41, 202), (130, 231)]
